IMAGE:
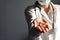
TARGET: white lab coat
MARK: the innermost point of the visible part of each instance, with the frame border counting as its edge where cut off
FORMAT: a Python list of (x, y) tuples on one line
[(32, 13)]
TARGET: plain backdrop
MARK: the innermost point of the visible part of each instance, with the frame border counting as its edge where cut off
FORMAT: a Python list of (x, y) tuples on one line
[(13, 25)]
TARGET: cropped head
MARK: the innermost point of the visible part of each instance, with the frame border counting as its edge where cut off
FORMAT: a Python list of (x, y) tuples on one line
[(44, 2)]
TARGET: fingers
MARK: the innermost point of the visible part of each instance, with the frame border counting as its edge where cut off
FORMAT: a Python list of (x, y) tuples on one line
[(46, 25), (45, 20), (35, 23), (44, 31), (44, 28), (39, 28)]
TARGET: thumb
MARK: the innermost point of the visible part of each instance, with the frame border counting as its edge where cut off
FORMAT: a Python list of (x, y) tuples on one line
[(45, 20), (35, 23)]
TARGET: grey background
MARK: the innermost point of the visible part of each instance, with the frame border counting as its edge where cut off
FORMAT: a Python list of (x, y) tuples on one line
[(13, 25)]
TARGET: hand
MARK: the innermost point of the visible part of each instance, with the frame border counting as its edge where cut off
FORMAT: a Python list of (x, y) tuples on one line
[(42, 24)]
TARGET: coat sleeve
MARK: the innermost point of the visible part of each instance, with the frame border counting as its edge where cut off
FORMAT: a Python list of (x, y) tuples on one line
[(30, 17)]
